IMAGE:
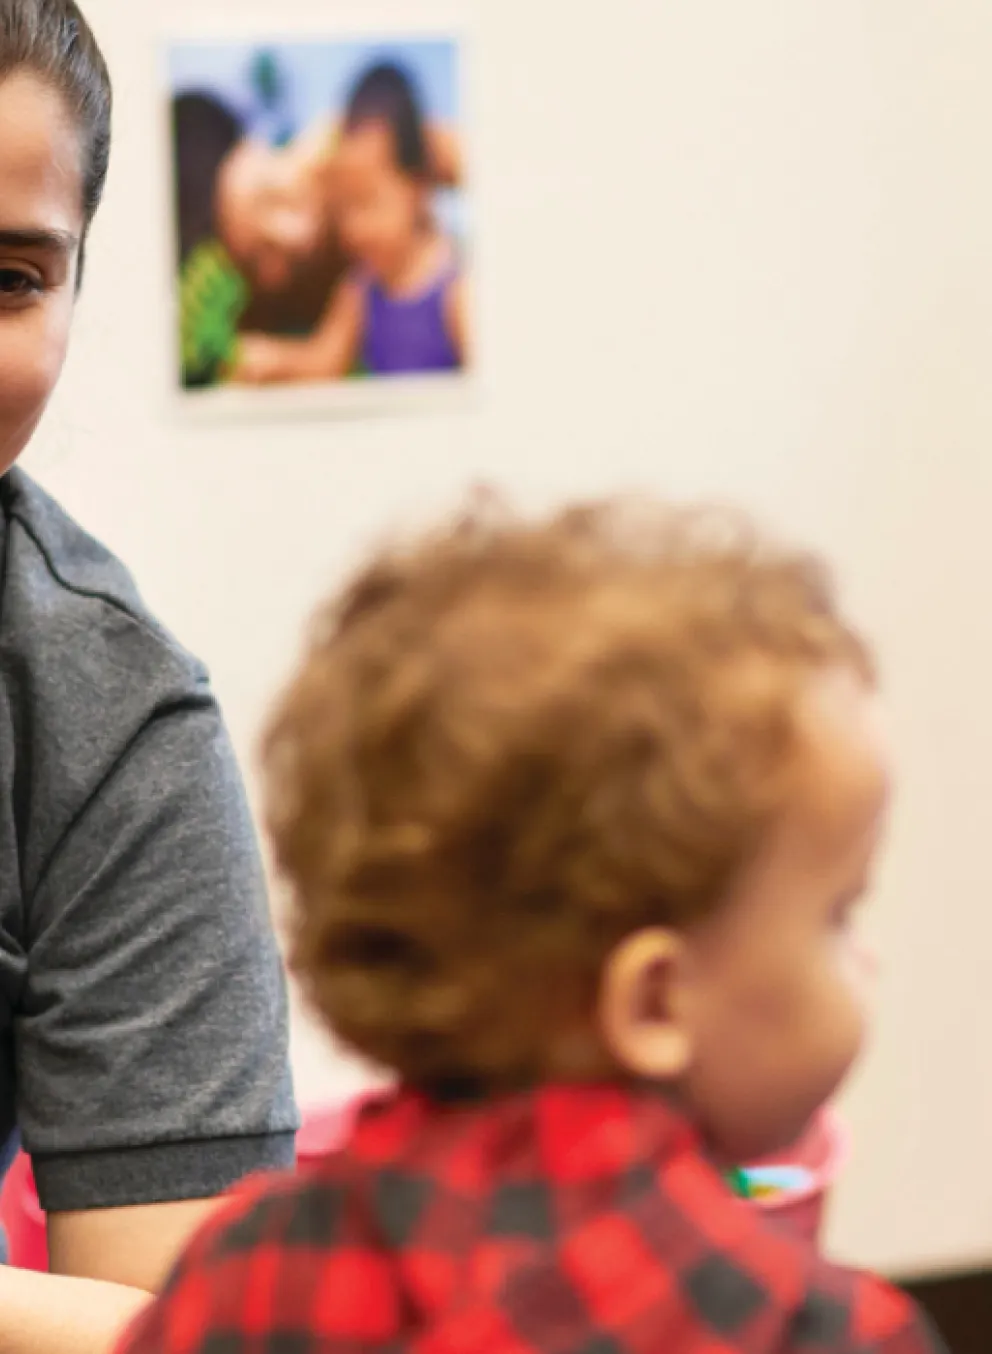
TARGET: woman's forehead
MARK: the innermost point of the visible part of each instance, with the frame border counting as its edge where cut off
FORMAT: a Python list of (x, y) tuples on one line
[(40, 170)]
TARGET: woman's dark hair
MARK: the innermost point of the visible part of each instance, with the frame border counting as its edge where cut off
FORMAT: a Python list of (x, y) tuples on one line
[(386, 93), (204, 132), (52, 40)]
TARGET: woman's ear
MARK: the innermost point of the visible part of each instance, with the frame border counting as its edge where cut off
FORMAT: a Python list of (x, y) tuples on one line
[(641, 1017)]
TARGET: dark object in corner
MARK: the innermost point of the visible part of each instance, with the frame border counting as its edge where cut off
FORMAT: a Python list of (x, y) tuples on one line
[(960, 1305)]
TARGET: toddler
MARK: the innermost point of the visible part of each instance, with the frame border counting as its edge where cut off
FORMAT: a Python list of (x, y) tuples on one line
[(576, 817)]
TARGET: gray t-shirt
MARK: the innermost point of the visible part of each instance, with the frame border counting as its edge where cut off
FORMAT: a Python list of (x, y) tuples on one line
[(143, 1028)]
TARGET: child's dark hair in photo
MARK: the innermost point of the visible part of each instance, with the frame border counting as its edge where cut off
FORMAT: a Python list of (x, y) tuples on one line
[(575, 816), (386, 94)]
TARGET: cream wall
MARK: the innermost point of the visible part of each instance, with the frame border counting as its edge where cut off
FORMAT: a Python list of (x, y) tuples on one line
[(728, 248)]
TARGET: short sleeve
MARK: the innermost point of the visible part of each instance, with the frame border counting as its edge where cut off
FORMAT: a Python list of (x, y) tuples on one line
[(151, 1041)]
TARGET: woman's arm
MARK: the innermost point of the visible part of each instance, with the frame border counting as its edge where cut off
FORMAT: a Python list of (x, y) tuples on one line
[(152, 1039), (326, 355), (135, 1248), (150, 1031), (46, 1314), (106, 1265)]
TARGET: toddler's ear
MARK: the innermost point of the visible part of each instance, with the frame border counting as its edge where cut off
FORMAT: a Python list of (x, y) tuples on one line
[(641, 1010)]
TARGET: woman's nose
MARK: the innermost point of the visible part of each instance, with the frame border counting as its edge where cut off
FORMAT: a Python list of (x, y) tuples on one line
[(867, 960)]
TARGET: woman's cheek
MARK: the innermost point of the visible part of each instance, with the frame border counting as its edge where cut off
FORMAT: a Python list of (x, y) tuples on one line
[(859, 963), (32, 351)]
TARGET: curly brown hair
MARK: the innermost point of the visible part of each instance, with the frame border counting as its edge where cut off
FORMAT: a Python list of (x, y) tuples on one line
[(509, 745)]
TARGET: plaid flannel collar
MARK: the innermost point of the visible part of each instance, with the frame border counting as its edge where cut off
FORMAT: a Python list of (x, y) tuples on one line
[(569, 1220)]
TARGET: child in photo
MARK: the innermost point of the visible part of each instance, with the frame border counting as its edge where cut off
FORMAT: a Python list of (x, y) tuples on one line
[(401, 308), (577, 816)]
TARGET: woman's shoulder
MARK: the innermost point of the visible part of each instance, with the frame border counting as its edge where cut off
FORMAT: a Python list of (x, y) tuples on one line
[(52, 548), (57, 570), (91, 685)]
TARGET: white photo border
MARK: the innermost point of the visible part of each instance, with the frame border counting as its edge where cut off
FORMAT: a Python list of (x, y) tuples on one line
[(403, 20)]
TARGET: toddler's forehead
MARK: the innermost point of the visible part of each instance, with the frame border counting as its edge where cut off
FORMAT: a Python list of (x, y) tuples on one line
[(835, 811), (846, 761)]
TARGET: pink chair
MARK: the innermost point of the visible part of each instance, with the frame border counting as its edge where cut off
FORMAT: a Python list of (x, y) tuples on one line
[(22, 1218), (323, 1130)]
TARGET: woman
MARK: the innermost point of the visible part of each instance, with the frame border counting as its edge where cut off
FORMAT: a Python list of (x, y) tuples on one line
[(142, 1009)]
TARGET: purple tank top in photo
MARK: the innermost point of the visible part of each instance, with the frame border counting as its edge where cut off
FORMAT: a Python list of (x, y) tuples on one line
[(407, 335)]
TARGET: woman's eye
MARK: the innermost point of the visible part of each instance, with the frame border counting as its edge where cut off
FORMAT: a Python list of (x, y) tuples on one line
[(15, 283)]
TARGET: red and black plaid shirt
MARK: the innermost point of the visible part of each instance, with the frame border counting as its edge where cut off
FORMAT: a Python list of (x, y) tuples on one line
[(568, 1221)]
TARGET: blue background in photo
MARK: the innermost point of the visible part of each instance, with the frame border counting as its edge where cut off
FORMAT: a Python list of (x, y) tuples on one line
[(316, 77)]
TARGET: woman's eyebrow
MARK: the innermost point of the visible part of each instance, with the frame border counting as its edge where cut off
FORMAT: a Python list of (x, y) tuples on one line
[(31, 237)]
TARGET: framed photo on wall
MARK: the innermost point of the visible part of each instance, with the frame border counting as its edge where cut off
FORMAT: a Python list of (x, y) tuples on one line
[(322, 237)]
